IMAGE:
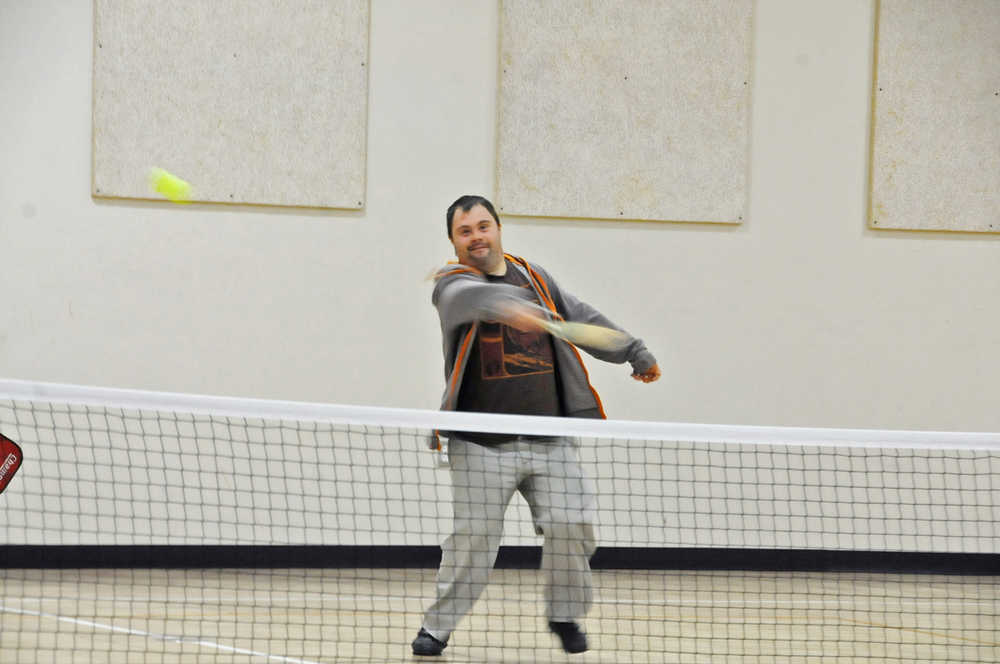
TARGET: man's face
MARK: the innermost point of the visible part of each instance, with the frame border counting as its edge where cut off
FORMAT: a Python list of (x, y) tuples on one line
[(476, 237)]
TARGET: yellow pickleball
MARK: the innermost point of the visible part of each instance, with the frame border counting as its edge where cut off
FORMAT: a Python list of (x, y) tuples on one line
[(171, 186)]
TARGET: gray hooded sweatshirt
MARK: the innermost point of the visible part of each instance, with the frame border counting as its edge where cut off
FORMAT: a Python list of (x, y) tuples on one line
[(463, 297)]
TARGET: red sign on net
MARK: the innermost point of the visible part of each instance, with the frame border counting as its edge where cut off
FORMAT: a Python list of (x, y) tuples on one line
[(10, 460)]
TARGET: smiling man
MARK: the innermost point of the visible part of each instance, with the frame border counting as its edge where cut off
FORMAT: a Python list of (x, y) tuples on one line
[(475, 234), (498, 359)]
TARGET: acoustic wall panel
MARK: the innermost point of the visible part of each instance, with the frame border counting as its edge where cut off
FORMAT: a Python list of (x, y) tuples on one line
[(625, 110), (252, 102), (936, 120)]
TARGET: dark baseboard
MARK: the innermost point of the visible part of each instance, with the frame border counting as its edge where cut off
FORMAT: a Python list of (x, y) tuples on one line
[(513, 557)]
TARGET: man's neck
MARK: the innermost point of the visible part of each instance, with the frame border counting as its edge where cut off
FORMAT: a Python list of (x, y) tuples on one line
[(499, 270)]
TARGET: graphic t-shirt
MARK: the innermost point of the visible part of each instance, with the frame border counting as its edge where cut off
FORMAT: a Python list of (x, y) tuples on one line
[(509, 371)]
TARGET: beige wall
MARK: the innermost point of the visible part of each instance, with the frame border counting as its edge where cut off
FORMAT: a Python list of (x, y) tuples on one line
[(801, 316)]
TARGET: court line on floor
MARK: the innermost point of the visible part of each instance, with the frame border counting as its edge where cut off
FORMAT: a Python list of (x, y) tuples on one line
[(158, 637), (292, 660)]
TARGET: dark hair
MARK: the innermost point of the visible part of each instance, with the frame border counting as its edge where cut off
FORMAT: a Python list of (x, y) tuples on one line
[(466, 203)]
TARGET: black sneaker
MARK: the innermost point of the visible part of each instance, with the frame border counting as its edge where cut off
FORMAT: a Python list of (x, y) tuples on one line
[(573, 640), (425, 644)]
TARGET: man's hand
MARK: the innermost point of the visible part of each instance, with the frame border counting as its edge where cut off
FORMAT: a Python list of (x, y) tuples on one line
[(651, 374)]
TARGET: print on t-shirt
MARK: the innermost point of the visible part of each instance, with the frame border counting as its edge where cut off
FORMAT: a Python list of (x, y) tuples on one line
[(510, 371), (505, 352)]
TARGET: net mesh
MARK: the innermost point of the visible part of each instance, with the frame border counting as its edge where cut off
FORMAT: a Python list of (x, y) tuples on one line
[(147, 527)]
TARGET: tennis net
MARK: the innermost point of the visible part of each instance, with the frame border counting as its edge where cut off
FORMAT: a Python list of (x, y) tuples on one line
[(155, 527)]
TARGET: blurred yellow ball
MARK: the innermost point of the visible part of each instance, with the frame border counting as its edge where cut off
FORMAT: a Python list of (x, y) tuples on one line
[(171, 186)]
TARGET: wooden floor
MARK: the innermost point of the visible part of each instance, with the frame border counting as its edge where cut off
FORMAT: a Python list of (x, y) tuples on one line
[(324, 616)]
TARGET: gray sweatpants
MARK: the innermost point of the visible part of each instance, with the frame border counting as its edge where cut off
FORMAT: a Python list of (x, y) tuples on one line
[(549, 476)]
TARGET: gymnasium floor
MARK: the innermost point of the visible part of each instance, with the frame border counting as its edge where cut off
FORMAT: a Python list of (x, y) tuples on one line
[(362, 615)]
